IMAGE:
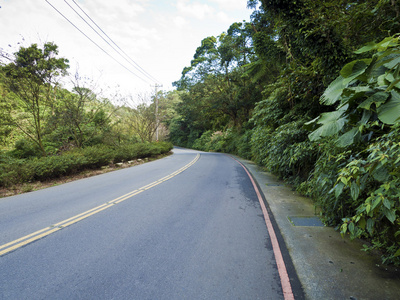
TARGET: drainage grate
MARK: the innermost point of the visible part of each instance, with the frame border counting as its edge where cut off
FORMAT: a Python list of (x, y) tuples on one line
[(305, 221)]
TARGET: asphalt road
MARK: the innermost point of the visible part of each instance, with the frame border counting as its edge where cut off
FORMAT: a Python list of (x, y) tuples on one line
[(189, 226)]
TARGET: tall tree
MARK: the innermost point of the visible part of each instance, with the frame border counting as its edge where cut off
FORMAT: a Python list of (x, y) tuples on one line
[(33, 77), (219, 92)]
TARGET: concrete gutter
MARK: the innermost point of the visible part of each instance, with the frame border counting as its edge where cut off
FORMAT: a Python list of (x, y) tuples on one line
[(327, 265)]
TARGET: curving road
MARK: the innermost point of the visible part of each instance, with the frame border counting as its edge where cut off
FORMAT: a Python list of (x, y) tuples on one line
[(188, 226)]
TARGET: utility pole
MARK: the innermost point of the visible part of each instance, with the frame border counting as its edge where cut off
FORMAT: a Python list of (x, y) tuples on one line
[(156, 101)]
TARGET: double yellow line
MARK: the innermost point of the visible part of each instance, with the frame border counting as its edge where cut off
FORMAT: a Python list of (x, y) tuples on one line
[(11, 246)]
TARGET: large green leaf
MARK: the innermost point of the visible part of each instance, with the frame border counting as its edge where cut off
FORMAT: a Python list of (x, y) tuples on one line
[(353, 94), (381, 46), (366, 48), (310, 125), (377, 98), (351, 71), (334, 91), (390, 214), (354, 190), (332, 123), (354, 69), (393, 62), (389, 113), (348, 138)]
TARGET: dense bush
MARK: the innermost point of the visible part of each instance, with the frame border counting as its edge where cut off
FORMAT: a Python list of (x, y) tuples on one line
[(14, 170), (54, 166), (127, 152), (356, 178), (358, 191), (373, 184), (323, 178), (284, 151), (210, 141), (238, 143), (350, 163), (97, 156), (24, 148), (230, 141)]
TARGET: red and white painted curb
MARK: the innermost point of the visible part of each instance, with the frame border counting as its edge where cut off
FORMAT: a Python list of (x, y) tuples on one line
[(285, 282)]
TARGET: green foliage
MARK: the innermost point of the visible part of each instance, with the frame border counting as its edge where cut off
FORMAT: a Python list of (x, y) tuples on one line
[(284, 151), (204, 141), (126, 152), (229, 141), (55, 166), (320, 185), (355, 180), (80, 118), (35, 106), (31, 78), (210, 141), (179, 132), (374, 186), (368, 97), (25, 149), (238, 142), (97, 156), (11, 170), (217, 91)]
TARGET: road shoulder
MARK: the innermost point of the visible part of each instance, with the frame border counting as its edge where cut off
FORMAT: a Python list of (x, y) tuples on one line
[(328, 266)]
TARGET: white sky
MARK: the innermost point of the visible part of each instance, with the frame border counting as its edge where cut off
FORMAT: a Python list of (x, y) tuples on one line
[(159, 35)]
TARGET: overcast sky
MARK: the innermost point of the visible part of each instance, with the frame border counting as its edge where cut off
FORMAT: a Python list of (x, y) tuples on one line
[(161, 36)]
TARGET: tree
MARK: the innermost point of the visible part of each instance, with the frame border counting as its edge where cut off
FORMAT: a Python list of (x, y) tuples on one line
[(219, 93), (33, 77), (81, 117), (141, 118)]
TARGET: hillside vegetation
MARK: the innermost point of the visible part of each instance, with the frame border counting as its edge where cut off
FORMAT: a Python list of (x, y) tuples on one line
[(48, 131), (311, 91)]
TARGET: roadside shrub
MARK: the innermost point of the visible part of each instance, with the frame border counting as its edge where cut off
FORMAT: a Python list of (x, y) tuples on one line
[(259, 143), (12, 170), (285, 152), (25, 149), (55, 166), (202, 143), (238, 143), (97, 156), (15, 170), (374, 185), (321, 180), (216, 141), (364, 151), (134, 151), (165, 146), (243, 144), (155, 148)]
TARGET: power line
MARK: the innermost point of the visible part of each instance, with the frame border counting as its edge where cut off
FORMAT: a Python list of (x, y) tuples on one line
[(136, 65), (96, 43)]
